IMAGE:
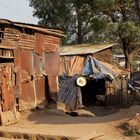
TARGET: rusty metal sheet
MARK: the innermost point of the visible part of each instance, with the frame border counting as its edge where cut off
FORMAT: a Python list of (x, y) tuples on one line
[(39, 63), (46, 43), (11, 37), (42, 91), (28, 98), (7, 110), (53, 87), (7, 93), (52, 39), (17, 71), (39, 43), (26, 63), (51, 43), (27, 40), (16, 57), (53, 32), (52, 63)]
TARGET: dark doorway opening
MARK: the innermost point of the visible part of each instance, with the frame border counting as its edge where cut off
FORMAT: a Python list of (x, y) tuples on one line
[(92, 90)]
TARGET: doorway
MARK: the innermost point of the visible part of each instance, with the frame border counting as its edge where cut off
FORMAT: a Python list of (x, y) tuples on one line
[(92, 90)]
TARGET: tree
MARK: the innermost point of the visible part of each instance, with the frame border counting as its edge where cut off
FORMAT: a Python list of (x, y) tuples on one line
[(137, 4), (86, 21), (77, 18), (51, 13), (122, 27)]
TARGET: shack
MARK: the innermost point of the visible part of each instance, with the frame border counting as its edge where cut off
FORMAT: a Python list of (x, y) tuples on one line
[(103, 77), (29, 66)]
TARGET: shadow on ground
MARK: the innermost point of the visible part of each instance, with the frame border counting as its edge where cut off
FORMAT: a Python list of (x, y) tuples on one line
[(54, 116)]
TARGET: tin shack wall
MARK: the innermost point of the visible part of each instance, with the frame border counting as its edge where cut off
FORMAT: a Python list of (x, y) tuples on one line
[(9, 38), (39, 69), (104, 55), (52, 57), (41, 84), (35, 64), (26, 79), (28, 97), (74, 64)]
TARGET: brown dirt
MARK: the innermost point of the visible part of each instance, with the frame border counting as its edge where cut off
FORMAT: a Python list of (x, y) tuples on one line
[(104, 126), (132, 125)]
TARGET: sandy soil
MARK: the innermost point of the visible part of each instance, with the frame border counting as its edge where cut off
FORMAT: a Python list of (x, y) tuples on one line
[(104, 126)]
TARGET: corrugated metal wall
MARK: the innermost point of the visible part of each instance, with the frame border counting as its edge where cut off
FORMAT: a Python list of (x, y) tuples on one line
[(33, 68)]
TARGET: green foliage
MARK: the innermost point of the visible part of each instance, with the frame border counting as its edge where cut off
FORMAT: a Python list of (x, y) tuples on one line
[(50, 12), (133, 132), (86, 21), (81, 20), (117, 50), (129, 31)]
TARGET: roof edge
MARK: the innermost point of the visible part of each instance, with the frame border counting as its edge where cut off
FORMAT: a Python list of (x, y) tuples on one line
[(55, 32), (92, 51)]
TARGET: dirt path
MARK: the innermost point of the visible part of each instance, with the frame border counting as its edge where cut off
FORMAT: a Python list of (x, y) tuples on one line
[(55, 122)]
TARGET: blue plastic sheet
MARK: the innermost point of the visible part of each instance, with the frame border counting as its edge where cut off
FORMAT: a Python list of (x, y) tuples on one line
[(68, 91), (96, 69)]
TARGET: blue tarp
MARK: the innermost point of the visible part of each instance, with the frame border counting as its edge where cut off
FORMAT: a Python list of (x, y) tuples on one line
[(134, 82), (68, 91), (96, 69)]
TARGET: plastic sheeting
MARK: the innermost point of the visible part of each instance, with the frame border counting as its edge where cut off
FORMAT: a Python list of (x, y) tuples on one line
[(71, 65), (135, 81), (68, 91), (97, 69)]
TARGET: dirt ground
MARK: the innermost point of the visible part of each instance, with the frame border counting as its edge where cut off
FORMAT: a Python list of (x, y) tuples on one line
[(104, 126)]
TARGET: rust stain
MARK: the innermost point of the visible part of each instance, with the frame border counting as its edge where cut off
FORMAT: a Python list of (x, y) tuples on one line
[(39, 43), (41, 90), (7, 89), (52, 63), (29, 65), (38, 64), (27, 100), (53, 87)]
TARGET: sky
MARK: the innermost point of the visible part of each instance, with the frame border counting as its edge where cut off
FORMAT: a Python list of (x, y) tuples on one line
[(17, 10)]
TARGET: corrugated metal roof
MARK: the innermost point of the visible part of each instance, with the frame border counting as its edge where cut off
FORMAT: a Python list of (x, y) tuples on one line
[(84, 49), (56, 32)]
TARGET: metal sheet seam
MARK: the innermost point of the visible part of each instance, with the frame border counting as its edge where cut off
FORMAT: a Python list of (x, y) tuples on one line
[(34, 82)]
